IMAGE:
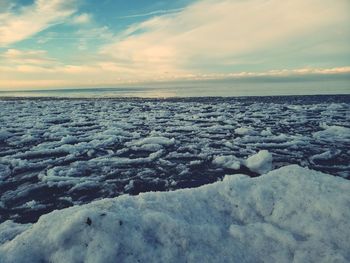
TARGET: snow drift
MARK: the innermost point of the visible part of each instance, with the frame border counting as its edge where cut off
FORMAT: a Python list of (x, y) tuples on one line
[(290, 214)]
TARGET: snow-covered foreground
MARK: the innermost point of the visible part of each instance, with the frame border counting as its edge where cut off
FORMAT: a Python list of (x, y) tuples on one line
[(59, 153), (291, 214)]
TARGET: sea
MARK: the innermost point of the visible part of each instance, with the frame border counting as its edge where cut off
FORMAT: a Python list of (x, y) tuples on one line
[(65, 147)]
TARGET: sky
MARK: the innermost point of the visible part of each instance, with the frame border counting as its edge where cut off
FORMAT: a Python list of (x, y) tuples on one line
[(102, 43)]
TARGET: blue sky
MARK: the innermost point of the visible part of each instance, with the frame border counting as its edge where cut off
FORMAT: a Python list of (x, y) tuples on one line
[(79, 43)]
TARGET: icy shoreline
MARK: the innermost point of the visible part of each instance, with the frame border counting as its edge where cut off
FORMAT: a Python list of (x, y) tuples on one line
[(290, 214)]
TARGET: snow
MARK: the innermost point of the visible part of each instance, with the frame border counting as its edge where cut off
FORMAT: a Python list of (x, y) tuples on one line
[(4, 135), (154, 140), (260, 162), (327, 155), (4, 171), (333, 133), (9, 230), (243, 131), (230, 162), (290, 214), (266, 132)]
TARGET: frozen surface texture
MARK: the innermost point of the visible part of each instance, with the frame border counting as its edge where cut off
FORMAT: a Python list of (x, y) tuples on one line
[(59, 153), (291, 214), (260, 163)]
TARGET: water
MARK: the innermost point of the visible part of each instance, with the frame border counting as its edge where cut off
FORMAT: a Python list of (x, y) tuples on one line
[(56, 153), (194, 89)]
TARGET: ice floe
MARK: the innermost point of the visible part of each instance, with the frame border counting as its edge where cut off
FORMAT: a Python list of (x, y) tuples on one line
[(229, 161), (333, 132), (244, 131), (260, 162), (156, 140)]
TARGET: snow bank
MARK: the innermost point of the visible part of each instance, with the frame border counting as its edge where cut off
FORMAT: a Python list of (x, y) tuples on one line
[(9, 230), (290, 214), (260, 163)]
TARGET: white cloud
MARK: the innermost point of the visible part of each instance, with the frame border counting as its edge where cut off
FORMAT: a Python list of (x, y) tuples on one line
[(25, 57), (300, 72), (32, 19), (157, 12), (6, 5), (82, 19), (216, 33), (54, 74), (195, 43)]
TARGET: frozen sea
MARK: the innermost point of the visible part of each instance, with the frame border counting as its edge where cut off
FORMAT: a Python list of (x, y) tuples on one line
[(58, 152)]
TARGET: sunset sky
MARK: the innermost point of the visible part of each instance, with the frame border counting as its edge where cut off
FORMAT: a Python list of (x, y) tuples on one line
[(99, 43)]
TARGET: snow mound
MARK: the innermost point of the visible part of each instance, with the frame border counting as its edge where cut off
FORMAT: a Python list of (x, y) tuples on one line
[(289, 214), (260, 163)]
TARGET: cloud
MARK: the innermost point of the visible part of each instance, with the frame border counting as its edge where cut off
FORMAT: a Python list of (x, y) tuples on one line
[(27, 21), (82, 19), (154, 13), (26, 57), (216, 35), (210, 39), (6, 5), (81, 35), (55, 74), (279, 74)]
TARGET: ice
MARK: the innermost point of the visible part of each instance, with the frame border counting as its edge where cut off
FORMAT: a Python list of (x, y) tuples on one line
[(333, 133), (4, 135), (154, 140), (230, 162), (4, 170), (266, 132), (260, 162), (59, 152), (289, 214), (327, 155), (244, 131)]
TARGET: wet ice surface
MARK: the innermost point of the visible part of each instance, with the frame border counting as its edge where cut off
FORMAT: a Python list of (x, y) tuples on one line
[(57, 153)]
